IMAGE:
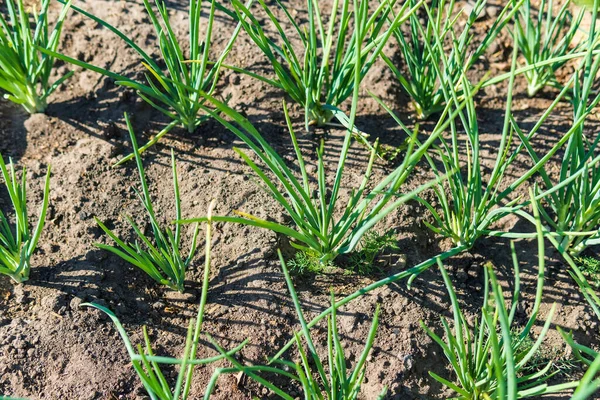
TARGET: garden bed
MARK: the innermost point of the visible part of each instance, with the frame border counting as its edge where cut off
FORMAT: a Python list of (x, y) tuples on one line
[(51, 348)]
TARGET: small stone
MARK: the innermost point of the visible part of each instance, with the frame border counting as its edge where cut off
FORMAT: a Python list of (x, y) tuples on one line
[(75, 303), (20, 294), (407, 361), (185, 297), (54, 302)]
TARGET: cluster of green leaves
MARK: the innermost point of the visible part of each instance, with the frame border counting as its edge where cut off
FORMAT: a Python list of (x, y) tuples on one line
[(472, 200), (162, 259), (319, 379), (571, 202), (24, 72), (335, 55), (306, 262), (312, 208), (590, 266), (174, 91), (373, 244), (148, 366), (543, 38), (18, 244), (430, 65), (488, 359)]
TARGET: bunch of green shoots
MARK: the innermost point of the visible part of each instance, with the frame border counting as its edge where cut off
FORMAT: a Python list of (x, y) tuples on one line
[(543, 38), (590, 383), (310, 372), (571, 200), (16, 248), (148, 366), (174, 91), (24, 72), (486, 358), (161, 260), (322, 225), (472, 200), (424, 50), (336, 53)]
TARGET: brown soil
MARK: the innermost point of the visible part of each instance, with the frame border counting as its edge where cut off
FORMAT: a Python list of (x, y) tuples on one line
[(50, 348)]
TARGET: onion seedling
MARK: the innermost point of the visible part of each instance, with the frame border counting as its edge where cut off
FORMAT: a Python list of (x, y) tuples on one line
[(18, 245), (161, 260), (24, 72), (322, 225), (472, 200), (321, 76), (545, 37), (173, 91), (590, 383), (570, 205), (148, 366), (487, 358), (319, 379), (423, 50)]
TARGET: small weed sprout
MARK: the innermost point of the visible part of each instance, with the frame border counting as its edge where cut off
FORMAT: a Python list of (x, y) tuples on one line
[(543, 38), (18, 244), (162, 259), (24, 72), (373, 244), (306, 262), (590, 267)]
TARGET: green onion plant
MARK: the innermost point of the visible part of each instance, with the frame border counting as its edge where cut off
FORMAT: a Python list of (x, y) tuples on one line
[(319, 379), (320, 74), (487, 358), (162, 259), (424, 49), (24, 72), (544, 37), (472, 200), (147, 365), (18, 243), (321, 224), (569, 204), (590, 383), (174, 90)]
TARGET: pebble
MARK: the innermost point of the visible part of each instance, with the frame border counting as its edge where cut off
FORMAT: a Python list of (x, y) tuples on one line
[(75, 303), (54, 302), (186, 297)]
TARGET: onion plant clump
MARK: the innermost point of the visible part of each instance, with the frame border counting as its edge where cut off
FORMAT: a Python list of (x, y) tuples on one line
[(424, 48), (174, 89), (472, 200), (148, 366), (320, 75), (544, 37), (319, 377), (162, 258), (488, 358), (18, 243), (24, 71), (571, 204), (321, 224)]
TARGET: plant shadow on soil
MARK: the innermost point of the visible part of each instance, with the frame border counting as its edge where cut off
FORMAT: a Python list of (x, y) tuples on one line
[(13, 134)]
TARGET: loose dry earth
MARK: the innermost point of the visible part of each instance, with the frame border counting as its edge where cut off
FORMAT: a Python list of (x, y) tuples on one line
[(50, 348)]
